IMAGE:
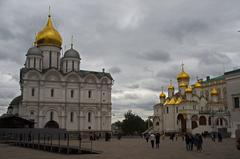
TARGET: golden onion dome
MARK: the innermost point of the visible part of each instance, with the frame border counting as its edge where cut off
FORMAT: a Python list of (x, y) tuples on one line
[(214, 92), (172, 101), (166, 102), (197, 85), (49, 35), (171, 86), (183, 75), (162, 95), (179, 101), (183, 85), (188, 90)]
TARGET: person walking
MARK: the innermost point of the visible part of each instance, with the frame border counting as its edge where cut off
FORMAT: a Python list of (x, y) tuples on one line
[(191, 142), (199, 142), (147, 137), (187, 140), (152, 138), (213, 136), (157, 140)]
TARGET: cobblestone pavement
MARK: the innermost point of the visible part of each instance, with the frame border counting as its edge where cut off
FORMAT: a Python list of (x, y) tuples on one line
[(135, 148)]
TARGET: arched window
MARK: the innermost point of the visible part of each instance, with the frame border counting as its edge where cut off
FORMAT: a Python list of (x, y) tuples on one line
[(52, 92), (71, 117), (51, 115), (72, 93), (202, 120), (157, 123), (33, 91), (89, 117)]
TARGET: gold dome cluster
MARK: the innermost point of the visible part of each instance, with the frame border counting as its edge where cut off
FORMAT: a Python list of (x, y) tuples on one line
[(197, 84), (188, 90), (214, 92), (49, 35)]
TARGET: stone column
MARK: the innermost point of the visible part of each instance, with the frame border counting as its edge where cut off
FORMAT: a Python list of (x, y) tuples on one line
[(188, 123)]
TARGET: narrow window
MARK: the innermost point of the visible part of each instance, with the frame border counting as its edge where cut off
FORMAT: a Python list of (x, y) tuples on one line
[(33, 91), (221, 121), (72, 65), (50, 59), (66, 65), (71, 117), (52, 92), (51, 115), (34, 62), (167, 110), (89, 94), (89, 117), (72, 93), (236, 102), (40, 61), (177, 109), (57, 59)]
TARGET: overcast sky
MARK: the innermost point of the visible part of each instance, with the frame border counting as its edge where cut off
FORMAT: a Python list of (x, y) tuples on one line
[(142, 43)]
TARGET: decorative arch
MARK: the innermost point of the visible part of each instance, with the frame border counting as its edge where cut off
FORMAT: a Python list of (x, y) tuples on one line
[(72, 77), (104, 80), (194, 118), (91, 78), (202, 120), (52, 124), (53, 75), (33, 74), (183, 126)]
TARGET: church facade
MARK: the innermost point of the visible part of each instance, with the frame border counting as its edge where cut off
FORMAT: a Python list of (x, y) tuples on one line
[(194, 108), (56, 93)]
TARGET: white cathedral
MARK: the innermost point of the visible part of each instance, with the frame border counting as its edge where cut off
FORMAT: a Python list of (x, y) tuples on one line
[(56, 93), (194, 108)]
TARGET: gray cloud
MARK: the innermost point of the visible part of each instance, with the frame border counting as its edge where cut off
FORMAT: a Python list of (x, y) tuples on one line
[(115, 70), (157, 55)]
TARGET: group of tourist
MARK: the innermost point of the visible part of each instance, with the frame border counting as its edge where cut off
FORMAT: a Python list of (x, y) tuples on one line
[(193, 140), (154, 139)]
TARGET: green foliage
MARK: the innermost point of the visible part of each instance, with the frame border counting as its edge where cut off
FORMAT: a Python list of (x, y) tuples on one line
[(132, 124)]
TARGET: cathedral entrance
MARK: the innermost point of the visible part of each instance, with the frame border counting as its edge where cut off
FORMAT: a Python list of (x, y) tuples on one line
[(51, 124), (182, 120)]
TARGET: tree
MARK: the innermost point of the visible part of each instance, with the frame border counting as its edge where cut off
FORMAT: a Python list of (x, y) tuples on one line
[(132, 124)]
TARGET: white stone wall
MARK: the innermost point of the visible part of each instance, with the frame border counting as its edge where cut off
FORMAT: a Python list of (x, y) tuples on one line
[(39, 106)]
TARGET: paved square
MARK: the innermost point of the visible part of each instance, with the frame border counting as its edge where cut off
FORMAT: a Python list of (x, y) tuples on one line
[(135, 148)]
